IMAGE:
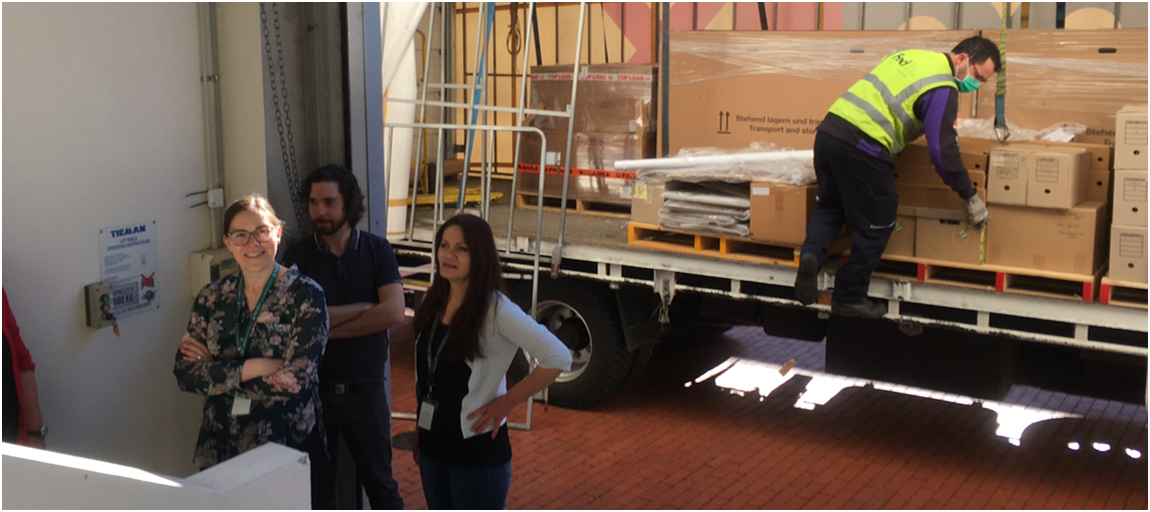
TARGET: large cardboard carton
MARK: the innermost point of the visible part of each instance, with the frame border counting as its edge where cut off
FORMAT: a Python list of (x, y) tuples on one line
[(1070, 241), (934, 196), (1128, 253), (1070, 76), (614, 120), (646, 203), (1130, 144), (1007, 179), (780, 211), (943, 235), (593, 176), (902, 238), (1057, 177), (729, 89), (1130, 198)]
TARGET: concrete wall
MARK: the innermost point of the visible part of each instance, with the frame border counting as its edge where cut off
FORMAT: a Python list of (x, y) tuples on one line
[(103, 126)]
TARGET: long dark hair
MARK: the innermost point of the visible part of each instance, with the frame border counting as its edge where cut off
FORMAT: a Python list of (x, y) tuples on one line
[(485, 279)]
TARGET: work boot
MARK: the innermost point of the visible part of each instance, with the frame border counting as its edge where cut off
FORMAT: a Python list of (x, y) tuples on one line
[(807, 280), (865, 309)]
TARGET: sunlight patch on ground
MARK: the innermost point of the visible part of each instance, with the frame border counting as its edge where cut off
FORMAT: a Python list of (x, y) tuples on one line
[(743, 377)]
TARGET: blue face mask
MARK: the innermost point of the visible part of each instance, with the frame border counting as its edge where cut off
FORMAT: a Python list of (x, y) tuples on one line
[(968, 84)]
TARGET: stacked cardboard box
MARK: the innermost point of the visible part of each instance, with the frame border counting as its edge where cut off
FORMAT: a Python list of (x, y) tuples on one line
[(1128, 245), (1048, 209), (931, 220), (614, 120)]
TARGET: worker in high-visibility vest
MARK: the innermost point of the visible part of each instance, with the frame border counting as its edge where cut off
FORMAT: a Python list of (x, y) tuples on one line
[(909, 94)]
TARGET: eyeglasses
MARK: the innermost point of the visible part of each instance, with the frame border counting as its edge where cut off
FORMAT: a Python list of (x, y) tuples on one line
[(974, 73), (241, 237)]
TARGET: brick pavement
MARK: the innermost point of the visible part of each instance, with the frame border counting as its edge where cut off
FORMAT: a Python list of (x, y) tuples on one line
[(659, 444)]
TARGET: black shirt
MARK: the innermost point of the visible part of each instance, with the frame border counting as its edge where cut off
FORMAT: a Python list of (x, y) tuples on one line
[(355, 276), (445, 442)]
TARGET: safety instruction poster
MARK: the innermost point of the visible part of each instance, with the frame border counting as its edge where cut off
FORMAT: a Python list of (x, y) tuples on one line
[(128, 259)]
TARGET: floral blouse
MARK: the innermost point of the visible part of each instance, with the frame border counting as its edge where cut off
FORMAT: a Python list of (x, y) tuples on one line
[(292, 325)]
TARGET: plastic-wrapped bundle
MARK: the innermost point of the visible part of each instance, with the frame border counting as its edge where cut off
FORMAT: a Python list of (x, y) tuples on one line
[(712, 223), (755, 163)]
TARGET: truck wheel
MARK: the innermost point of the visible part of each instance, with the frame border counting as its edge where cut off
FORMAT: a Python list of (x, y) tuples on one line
[(584, 321)]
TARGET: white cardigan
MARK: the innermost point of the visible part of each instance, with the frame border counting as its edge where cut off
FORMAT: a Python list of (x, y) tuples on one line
[(506, 329)]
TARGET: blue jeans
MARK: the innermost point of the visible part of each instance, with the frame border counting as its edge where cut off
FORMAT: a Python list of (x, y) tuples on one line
[(452, 487)]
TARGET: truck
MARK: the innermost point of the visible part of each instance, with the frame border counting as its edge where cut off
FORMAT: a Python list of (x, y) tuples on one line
[(609, 299)]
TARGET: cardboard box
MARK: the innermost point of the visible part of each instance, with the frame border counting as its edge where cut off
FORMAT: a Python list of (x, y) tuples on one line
[(1008, 176), (781, 211), (1099, 186), (911, 174), (943, 235), (1130, 142), (1130, 198), (1128, 253), (611, 98), (940, 196), (729, 89), (646, 202), (902, 238), (592, 176), (974, 153), (1072, 241), (1057, 177), (1101, 155), (1070, 76)]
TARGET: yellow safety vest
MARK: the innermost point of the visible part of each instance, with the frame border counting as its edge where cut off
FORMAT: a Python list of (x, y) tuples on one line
[(882, 103)]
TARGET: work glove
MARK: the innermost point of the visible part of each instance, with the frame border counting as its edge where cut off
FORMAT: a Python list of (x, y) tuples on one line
[(977, 214)]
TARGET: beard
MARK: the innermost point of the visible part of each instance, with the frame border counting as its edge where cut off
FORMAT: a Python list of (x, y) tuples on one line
[(328, 227)]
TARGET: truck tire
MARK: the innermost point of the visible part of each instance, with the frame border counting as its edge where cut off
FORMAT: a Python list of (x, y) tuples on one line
[(586, 322)]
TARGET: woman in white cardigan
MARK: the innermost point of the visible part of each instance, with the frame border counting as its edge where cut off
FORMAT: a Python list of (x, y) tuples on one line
[(468, 334)]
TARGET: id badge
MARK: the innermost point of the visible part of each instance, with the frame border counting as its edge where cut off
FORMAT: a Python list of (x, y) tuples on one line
[(425, 414), (241, 406)]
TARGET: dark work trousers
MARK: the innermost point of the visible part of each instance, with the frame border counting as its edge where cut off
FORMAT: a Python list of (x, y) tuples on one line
[(363, 418), (322, 493), (856, 189)]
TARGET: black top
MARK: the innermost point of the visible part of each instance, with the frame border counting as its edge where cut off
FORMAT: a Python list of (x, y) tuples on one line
[(445, 442), (355, 276), (11, 400)]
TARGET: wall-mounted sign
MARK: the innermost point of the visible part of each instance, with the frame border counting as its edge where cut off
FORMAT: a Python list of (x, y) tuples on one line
[(129, 256)]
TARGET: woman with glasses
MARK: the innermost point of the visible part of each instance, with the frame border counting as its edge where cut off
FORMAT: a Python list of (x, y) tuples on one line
[(469, 332), (253, 348)]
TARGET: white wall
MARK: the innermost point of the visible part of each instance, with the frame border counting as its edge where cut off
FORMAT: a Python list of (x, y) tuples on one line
[(103, 126)]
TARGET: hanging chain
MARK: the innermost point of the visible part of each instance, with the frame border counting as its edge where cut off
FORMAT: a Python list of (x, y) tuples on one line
[(283, 113)]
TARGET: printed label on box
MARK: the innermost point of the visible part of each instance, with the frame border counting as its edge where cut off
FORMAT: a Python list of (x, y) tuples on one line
[(1136, 133), (1130, 245), (760, 191), (1007, 166), (1046, 170), (1134, 190)]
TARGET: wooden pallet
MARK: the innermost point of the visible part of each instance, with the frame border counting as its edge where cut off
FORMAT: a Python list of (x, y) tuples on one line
[(552, 204), (719, 246), (1122, 293), (1042, 283)]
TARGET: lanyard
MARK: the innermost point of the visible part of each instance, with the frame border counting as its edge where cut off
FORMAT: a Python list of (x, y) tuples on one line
[(433, 362), (244, 336)]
